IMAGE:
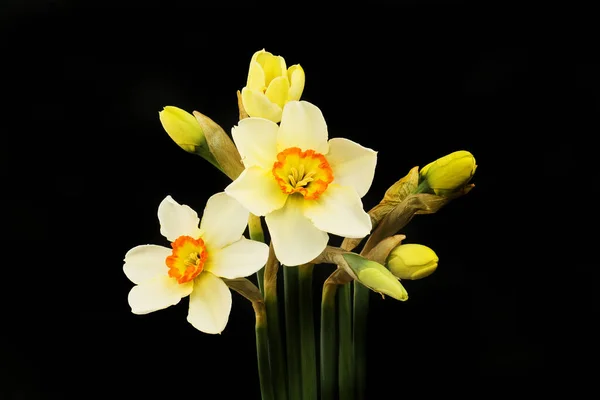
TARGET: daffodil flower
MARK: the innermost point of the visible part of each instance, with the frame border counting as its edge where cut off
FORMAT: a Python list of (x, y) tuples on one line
[(197, 260), (271, 85), (303, 184)]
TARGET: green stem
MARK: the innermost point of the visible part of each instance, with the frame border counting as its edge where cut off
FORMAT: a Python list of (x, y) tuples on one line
[(422, 188), (292, 330), (208, 156), (278, 366), (256, 233), (307, 333), (262, 352), (328, 342), (361, 308), (346, 377)]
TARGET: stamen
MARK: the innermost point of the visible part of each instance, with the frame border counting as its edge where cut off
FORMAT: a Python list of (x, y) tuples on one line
[(187, 259), (310, 174), (306, 180), (293, 177)]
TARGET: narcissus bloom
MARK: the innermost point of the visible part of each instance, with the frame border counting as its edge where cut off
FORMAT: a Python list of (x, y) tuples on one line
[(197, 260), (271, 85), (303, 184)]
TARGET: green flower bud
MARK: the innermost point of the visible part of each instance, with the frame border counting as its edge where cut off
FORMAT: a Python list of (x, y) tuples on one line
[(183, 128), (449, 173), (376, 277), (412, 261)]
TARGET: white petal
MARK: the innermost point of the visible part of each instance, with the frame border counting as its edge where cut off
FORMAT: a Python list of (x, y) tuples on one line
[(146, 262), (177, 220), (352, 164), (210, 304), (302, 125), (239, 259), (295, 238), (256, 140), (339, 210), (257, 190), (157, 294), (223, 221)]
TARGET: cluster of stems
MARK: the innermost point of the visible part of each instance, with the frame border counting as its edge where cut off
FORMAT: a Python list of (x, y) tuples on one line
[(287, 349)]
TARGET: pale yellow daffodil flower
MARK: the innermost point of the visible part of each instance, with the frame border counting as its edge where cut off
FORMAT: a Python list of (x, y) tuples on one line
[(271, 85), (303, 184), (197, 260)]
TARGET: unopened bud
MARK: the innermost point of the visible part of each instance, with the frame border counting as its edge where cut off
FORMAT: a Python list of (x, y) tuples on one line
[(376, 277), (449, 173), (412, 261), (183, 128)]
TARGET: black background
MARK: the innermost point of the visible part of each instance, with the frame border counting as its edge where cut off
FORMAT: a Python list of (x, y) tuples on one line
[(85, 163)]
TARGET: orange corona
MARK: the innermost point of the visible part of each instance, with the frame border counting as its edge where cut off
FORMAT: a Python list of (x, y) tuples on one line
[(188, 258), (305, 172)]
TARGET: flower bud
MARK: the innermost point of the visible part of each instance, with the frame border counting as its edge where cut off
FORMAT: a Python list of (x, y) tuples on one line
[(271, 85), (449, 173), (183, 128), (412, 261), (376, 277)]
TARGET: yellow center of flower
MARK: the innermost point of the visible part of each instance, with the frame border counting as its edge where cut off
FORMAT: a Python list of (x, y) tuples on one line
[(305, 172), (188, 258)]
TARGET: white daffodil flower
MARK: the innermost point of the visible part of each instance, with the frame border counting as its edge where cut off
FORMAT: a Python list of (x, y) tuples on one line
[(303, 184), (197, 260)]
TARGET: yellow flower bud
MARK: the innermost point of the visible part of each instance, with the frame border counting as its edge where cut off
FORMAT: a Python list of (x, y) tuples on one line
[(271, 85), (412, 261), (183, 128), (376, 277), (449, 173)]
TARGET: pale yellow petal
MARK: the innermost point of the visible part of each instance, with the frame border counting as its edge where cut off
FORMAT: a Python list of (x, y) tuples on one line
[(296, 240), (146, 262), (257, 104), (177, 219), (274, 67), (277, 91), (302, 125), (257, 190), (240, 259), (223, 221), (256, 140), (339, 211), (296, 78), (352, 164), (210, 304), (256, 77), (157, 294), (260, 56)]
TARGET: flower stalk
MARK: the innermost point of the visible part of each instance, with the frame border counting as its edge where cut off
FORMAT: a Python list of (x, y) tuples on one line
[(307, 333), (346, 376), (359, 331), (292, 331), (248, 290), (256, 233), (278, 365), (262, 352), (328, 342)]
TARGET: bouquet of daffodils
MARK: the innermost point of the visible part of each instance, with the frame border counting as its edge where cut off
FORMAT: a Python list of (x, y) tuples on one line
[(286, 170)]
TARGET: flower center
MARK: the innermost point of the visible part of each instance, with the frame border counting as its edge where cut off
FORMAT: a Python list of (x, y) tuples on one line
[(188, 258), (304, 172)]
